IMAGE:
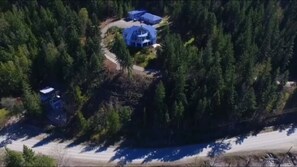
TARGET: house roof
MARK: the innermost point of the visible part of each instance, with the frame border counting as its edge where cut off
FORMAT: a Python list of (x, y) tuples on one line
[(129, 31), (151, 17), (136, 12), (46, 90), (151, 30)]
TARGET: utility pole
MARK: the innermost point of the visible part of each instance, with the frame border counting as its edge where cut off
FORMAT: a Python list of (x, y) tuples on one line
[(284, 156)]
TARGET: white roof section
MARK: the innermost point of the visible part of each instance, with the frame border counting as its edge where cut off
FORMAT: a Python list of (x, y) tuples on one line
[(156, 45), (47, 90)]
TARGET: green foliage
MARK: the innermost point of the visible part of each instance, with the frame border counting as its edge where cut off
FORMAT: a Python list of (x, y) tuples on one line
[(83, 18), (125, 114), (229, 72), (45, 43), (159, 104), (14, 159), (113, 122), (32, 102), (44, 161), (4, 115), (79, 97), (123, 56), (27, 158), (10, 78), (82, 123)]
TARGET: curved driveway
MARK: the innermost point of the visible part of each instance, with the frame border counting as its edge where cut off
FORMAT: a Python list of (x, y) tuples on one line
[(111, 56), (14, 138)]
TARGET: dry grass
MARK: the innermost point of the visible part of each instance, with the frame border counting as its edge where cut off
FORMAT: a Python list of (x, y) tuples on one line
[(4, 116)]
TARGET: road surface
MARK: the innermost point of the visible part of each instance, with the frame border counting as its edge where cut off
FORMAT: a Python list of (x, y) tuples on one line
[(16, 136), (112, 57)]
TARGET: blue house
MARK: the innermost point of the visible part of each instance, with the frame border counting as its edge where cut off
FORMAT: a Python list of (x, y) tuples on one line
[(135, 14), (54, 106), (142, 15), (140, 36), (149, 18)]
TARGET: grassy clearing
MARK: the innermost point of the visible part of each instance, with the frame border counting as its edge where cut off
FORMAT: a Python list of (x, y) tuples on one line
[(143, 57), (14, 105), (189, 42), (4, 116), (2, 157), (165, 21), (110, 36)]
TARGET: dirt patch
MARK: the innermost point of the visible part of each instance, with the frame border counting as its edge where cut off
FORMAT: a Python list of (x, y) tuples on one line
[(107, 21), (248, 159), (109, 65)]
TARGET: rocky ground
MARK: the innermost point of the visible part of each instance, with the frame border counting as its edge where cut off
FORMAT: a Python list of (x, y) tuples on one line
[(248, 159)]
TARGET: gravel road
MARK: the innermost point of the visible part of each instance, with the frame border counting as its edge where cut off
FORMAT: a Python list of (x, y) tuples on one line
[(15, 137)]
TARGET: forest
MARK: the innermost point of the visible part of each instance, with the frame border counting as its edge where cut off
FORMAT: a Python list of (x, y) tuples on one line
[(234, 70)]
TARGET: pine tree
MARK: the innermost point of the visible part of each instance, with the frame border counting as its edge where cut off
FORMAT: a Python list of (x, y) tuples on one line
[(83, 19), (122, 53), (32, 101), (113, 122), (159, 104)]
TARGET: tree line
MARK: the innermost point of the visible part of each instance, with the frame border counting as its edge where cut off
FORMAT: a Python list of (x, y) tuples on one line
[(242, 54), (47, 43), (234, 70)]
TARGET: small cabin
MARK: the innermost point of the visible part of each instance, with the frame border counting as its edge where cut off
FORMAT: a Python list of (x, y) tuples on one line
[(46, 94)]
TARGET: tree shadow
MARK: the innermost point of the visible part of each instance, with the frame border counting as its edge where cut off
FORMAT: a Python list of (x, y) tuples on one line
[(218, 148), (17, 131), (291, 129), (101, 148), (280, 128), (169, 154), (239, 139), (75, 142), (47, 140), (127, 155), (286, 122), (89, 147)]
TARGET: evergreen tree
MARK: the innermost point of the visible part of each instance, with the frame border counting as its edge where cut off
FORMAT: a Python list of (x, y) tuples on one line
[(113, 122), (32, 101), (13, 159), (159, 104), (123, 56), (83, 19)]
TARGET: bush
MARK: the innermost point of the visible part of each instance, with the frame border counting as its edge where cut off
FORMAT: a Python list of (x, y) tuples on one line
[(32, 101), (14, 159), (125, 114), (14, 105), (27, 158), (113, 122), (82, 123)]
